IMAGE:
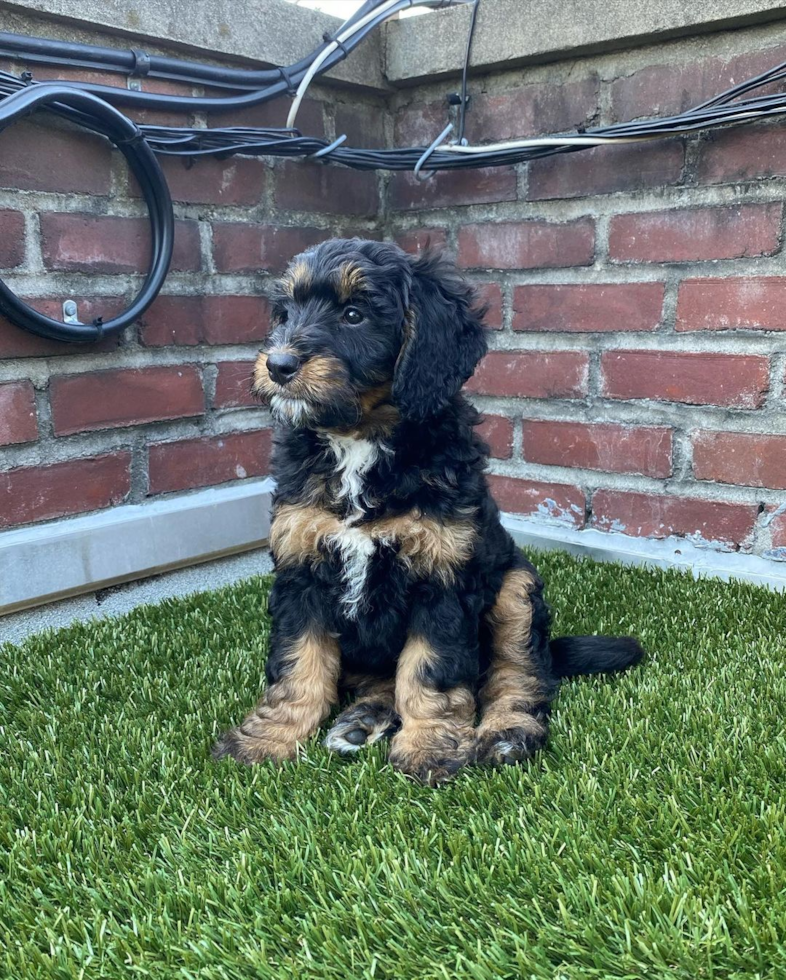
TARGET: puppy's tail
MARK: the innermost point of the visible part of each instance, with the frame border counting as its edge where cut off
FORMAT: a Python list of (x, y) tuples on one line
[(572, 655)]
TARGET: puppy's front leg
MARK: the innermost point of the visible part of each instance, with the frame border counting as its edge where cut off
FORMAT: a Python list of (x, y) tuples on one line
[(435, 697), (302, 672)]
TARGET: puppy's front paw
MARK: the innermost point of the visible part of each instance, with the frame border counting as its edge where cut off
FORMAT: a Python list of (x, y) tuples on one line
[(362, 724), (510, 746), (252, 747), (431, 754)]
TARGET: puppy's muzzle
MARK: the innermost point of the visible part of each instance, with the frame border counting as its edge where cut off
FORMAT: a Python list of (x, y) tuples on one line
[(282, 368)]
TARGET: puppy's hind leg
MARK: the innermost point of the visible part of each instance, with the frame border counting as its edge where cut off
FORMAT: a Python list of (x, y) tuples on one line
[(519, 684), (370, 718)]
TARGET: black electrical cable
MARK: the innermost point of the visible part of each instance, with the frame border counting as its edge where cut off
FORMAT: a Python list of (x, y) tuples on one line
[(89, 106), (75, 55), (82, 105), (281, 81), (465, 72), (125, 134)]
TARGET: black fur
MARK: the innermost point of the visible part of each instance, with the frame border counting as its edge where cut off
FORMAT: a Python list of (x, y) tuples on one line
[(422, 334), (572, 655)]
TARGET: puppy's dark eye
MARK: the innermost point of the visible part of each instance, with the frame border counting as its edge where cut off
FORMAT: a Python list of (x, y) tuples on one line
[(352, 315), (283, 316)]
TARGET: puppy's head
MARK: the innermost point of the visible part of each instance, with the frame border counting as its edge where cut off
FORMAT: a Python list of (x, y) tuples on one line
[(359, 322)]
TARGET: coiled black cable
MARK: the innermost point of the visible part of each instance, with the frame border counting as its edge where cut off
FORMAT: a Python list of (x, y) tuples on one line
[(87, 109)]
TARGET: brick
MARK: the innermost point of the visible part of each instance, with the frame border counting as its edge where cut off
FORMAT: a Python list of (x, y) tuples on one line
[(15, 342), (606, 170), (40, 493), (451, 188), (661, 90), (551, 501), (159, 117), (273, 114), (745, 303), (733, 155), (43, 73), (532, 374), (603, 446), (527, 245), (47, 158), (18, 421), (777, 526), (12, 239), (420, 123), (588, 307), (234, 181), (190, 320), (733, 380), (321, 188), (354, 231), (240, 247), (114, 399), (658, 516), (233, 385), (691, 235), (490, 295), (163, 86), (91, 243), (531, 110), (497, 431), (235, 319), (741, 458), (417, 239), (208, 461), (363, 125)]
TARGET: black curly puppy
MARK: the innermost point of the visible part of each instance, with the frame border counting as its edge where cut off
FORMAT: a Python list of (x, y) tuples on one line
[(395, 579)]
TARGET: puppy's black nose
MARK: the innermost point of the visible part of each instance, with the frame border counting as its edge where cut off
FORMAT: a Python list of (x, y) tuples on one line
[(282, 368)]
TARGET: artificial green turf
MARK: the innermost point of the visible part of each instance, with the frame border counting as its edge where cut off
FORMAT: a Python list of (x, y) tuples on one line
[(649, 840)]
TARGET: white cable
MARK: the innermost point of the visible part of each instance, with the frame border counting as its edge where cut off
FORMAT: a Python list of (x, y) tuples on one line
[(345, 36), (575, 140), (545, 141), (320, 60)]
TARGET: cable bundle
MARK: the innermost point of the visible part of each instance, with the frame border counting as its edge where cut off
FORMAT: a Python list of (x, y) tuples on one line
[(94, 108)]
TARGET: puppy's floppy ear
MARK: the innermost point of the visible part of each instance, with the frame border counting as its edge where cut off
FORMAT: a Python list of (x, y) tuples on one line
[(443, 338)]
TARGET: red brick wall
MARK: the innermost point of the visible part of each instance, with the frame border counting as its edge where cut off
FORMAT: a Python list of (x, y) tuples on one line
[(165, 407), (637, 371), (636, 377)]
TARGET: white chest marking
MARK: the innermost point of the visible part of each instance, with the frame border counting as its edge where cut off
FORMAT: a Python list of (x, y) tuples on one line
[(354, 458)]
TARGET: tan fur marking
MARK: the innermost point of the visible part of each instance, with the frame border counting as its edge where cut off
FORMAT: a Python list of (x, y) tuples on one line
[(436, 734), (300, 533), (293, 708), (298, 278), (429, 547), (378, 415), (351, 280), (366, 687), (318, 378), (511, 678), (410, 330)]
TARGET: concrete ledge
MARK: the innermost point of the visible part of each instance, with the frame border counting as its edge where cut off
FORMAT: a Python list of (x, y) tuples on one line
[(511, 33), (121, 599), (677, 553), (67, 558), (262, 33)]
